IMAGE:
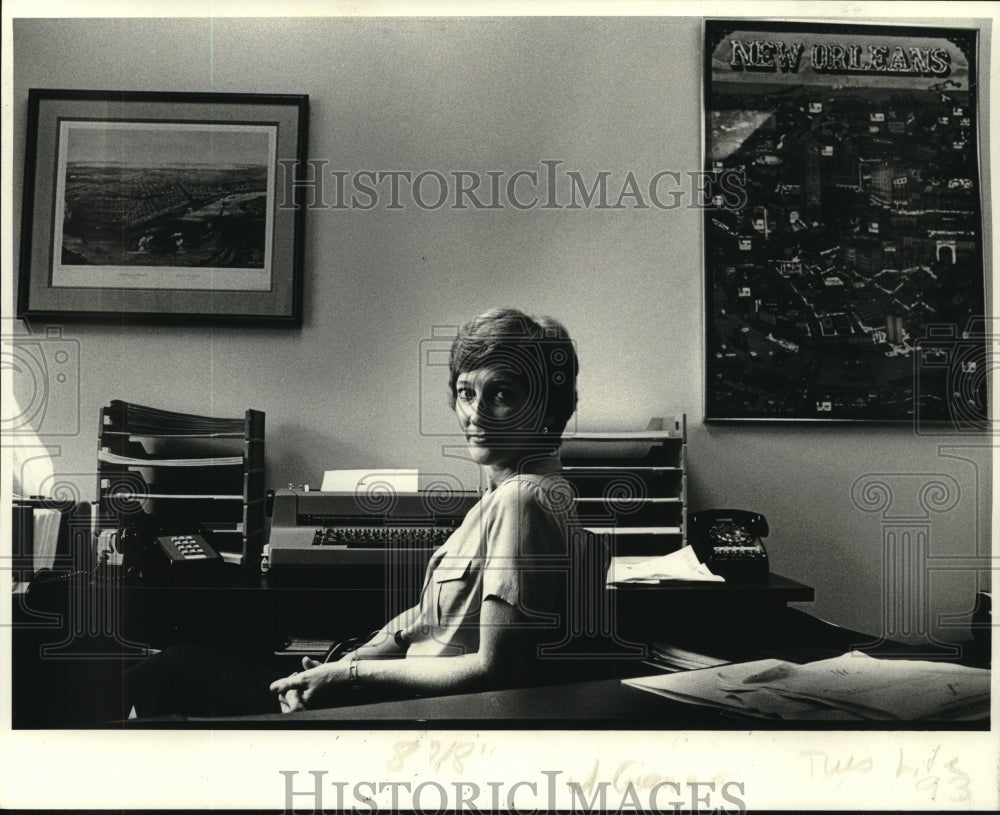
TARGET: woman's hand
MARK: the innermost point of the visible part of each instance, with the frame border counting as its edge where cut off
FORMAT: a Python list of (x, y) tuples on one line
[(318, 684), (322, 684)]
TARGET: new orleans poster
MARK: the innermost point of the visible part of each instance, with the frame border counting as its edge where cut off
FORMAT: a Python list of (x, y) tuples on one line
[(843, 244)]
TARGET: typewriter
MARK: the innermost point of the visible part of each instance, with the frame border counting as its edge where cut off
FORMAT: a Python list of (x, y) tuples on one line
[(314, 528)]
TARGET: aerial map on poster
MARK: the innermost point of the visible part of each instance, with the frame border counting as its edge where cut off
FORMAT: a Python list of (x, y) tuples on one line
[(843, 249)]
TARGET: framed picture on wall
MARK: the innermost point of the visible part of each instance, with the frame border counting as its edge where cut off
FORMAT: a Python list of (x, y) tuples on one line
[(168, 207), (844, 236)]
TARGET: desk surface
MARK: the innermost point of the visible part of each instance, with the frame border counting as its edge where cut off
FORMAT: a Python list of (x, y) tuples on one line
[(605, 704), (602, 703), (775, 587)]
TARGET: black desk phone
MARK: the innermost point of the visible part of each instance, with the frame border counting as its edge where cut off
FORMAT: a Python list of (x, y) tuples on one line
[(728, 542), (146, 558), (160, 558)]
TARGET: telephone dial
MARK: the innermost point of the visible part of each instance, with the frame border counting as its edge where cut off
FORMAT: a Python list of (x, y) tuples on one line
[(728, 541), (160, 558)]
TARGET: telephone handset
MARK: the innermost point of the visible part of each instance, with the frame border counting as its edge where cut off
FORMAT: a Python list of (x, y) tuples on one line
[(728, 542)]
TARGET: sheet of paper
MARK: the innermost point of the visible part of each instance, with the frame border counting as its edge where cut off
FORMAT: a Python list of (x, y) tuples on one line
[(680, 565), (851, 686), (895, 688), (47, 522), (352, 480), (704, 687)]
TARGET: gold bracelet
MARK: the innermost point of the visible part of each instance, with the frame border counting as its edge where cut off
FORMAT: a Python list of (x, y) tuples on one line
[(352, 675)]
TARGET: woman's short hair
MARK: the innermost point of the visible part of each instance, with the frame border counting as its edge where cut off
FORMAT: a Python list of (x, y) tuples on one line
[(538, 349)]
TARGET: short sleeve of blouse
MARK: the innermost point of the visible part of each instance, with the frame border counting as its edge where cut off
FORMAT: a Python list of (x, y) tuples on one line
[(524, 543)]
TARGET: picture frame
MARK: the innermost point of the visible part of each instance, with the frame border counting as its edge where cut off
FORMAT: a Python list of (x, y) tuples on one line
[(143, 207), (844, 273)]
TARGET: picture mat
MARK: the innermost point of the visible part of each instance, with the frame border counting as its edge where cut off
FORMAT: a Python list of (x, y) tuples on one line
[(277, 302)]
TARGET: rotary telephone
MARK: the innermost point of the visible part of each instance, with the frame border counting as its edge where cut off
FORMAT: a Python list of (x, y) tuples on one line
[(728, 542)]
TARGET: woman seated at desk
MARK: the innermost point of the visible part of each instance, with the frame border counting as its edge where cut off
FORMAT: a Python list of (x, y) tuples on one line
[(488, 592)]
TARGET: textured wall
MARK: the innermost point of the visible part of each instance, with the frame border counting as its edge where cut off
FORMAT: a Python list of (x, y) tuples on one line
[(349, 390)]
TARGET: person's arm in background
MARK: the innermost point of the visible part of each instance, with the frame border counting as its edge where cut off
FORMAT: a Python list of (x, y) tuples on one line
[(380, 645), (383, 643)]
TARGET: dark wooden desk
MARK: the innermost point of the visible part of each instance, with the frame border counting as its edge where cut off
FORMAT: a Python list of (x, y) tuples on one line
[(774, 592), (739, 619), (597, 705), (601, 704), (774, 588), (247, 607), (87, 632)]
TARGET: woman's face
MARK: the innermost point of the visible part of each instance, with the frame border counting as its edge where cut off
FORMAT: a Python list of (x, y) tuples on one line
[(496, 415)]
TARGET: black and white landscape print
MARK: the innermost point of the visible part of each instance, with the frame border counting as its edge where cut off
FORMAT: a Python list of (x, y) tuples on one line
[(163, 200)]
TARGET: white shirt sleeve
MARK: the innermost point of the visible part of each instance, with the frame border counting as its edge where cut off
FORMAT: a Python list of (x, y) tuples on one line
[(526, 547)]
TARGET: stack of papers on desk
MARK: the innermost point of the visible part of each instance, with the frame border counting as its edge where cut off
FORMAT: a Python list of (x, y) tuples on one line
[(670, 657), (133, 461), (680, 565), (35, 538), (849, 687), (46, 537), (304, 646)]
